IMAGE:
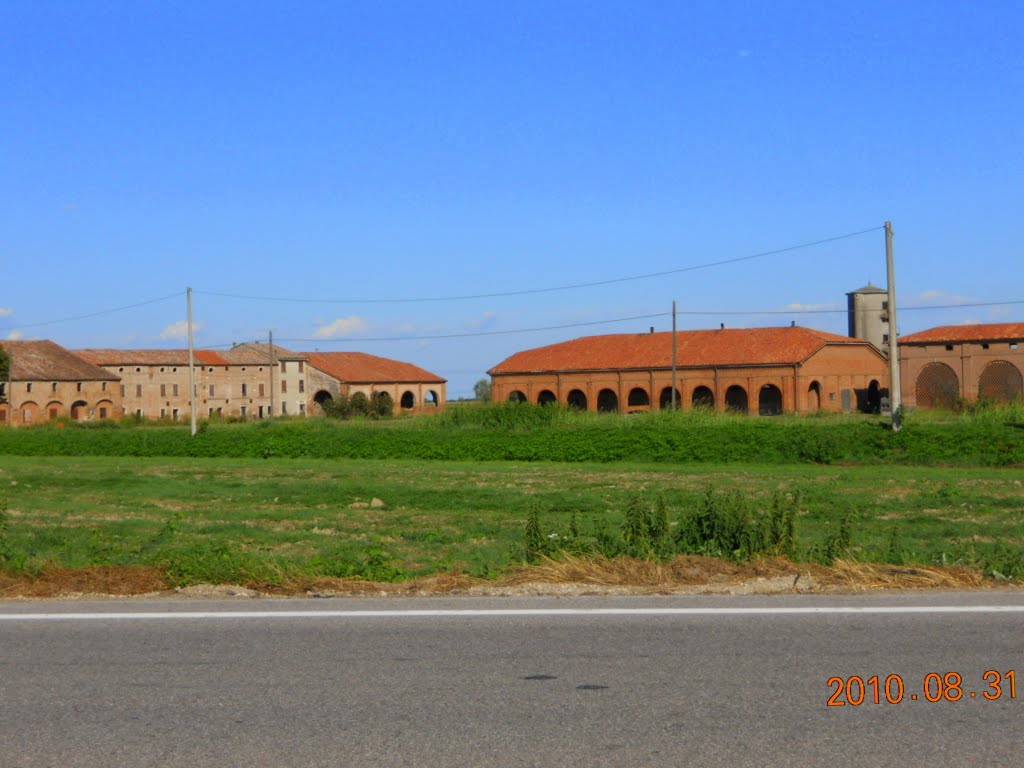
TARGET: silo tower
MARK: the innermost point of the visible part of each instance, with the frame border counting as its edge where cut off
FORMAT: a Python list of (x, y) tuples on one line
[(868, 315)]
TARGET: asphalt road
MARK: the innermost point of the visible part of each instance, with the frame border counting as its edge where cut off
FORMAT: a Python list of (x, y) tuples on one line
[(627, 689)]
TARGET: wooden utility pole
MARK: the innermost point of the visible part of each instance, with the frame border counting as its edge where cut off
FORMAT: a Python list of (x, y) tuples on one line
[(895, 392), (191, 366), (674, 406)]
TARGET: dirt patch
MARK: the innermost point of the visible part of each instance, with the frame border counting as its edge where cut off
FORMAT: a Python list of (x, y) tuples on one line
[(567, 576)]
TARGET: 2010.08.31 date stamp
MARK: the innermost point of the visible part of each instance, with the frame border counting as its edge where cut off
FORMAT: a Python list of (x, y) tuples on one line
[(948, 686)]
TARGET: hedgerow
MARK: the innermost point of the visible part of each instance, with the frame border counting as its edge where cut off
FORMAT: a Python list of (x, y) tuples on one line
[(504, 432)]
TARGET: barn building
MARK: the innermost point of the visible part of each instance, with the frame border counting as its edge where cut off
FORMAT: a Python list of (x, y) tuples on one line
[(411, 388), (765, 371), (46, 381), (941, 367)]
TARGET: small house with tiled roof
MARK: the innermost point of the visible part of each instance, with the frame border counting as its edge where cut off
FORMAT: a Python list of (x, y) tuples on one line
[(940, 367), (47, 381), (750, 370), (410, 387)]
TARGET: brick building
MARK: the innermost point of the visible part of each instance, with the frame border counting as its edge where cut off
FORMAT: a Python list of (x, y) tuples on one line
[(47, 381), (756, 370), (411, 388), (256, 381), (941, 366)]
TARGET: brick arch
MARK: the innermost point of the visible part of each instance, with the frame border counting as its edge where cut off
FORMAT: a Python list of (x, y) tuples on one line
[(1001, 382), (736, 399), (665, 399), (546, 397), (769, 401), (937, 386), (702, 397), (814, 397), (515, 396), (54, 409), (577, 399), (638, 398), (607, 401), (28, 412)]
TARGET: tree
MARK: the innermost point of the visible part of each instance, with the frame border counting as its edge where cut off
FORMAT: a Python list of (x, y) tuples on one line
[(5, 373), (482, 390)]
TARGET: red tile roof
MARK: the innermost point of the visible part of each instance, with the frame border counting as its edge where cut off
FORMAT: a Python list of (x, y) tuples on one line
[(695, 349), (46, 361), (149, 356), (361, 368), (955, 333)]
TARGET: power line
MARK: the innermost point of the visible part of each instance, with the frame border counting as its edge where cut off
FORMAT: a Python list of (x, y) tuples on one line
[(94, 314), (524, 292)]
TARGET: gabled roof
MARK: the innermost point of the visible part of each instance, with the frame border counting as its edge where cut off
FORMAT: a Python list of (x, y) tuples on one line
[(177, 357), (254, 353), (695, 349), (361, 368), (958, 333), (46, 361)]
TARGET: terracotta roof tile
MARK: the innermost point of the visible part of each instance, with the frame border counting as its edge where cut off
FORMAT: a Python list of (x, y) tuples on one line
[(259, 354), (149, 356), (954, 333), (361, 368), (46, 361), (701, 349)]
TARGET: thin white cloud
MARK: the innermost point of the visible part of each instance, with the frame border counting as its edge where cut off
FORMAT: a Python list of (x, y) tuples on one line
[(15, 335), (485, 321), (5, 312), (948, 298), (179, 330), (969, 321), (797, 307), (343, 326)]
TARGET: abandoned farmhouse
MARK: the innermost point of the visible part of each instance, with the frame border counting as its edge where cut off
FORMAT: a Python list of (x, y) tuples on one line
[(47, 381)]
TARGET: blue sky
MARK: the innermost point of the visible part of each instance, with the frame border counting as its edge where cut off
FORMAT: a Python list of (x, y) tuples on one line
[(409, 150)]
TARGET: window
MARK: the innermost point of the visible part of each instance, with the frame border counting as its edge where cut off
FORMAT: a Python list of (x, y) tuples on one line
[(244, 411), (211, 390), (302, 385), (138, 370), (123, 390), (26, 415), (284, 407), (300, 367), (163, 391), (245, 389), (261, 390), (53, 387), (161, 370), (949, 347), (138, 412), (302, 408), (284, 385), (163, 412), (28, 387), (138, 390), (984, 346), (78, 386), (103, 412), (53, 413), (103, 386), (174, 413), (174, 390)]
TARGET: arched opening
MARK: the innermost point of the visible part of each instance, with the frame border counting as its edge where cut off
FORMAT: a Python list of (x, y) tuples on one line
[(515, 396), (105, 409), (321, 397), (546, 397), (607, 401), (54, 409), (78, 410), (408, 400), (665, 398), (769, 401), (638, 398), (29, 412), (937, 386), (1001, 382), (874, 404), (577, 399), (431, 400), (702, 397), (736, 399), (814, 397)]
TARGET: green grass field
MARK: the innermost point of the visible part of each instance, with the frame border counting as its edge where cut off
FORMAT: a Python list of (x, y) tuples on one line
[(268, 520)]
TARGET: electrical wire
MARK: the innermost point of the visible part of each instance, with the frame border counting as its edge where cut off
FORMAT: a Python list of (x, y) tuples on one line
[(100, 313), (525, 292)]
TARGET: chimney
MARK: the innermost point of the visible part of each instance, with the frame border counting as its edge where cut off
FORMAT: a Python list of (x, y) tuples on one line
[(652, 329), (723, 326)]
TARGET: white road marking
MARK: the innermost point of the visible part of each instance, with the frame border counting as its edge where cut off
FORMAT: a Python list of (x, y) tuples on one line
[(456, 613)]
